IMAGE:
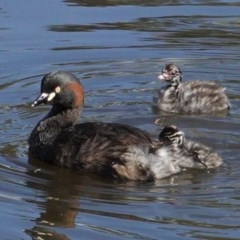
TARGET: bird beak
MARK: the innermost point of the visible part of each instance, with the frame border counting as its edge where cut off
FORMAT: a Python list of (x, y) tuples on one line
[(42, 98), (163, 76)]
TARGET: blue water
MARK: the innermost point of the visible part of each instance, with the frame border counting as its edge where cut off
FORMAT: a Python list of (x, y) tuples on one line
[(117, 49)]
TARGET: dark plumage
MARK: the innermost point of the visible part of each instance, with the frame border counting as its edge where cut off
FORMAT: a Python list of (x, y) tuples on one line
[(196, 97), (107, 149)]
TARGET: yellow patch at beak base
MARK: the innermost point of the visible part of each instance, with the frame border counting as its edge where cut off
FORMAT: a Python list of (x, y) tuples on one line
[(51, 96)]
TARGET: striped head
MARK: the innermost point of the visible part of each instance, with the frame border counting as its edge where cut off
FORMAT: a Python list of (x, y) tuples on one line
[(171, 74), (172, 134)]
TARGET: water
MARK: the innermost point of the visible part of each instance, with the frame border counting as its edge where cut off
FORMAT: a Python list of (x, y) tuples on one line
[(117, 48)]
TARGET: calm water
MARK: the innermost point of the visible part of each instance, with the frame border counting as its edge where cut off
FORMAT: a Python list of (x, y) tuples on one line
[(118, 48)]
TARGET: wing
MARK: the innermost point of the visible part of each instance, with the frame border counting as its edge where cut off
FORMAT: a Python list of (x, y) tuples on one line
[(93, 147)]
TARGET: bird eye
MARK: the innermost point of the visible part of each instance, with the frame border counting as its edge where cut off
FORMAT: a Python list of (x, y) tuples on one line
[(174, 73), (57, 89)]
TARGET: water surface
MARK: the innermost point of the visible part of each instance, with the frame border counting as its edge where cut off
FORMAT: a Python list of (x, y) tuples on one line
[(117, 49)]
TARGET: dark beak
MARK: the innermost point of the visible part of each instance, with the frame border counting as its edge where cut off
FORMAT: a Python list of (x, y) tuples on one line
[(42, 98)]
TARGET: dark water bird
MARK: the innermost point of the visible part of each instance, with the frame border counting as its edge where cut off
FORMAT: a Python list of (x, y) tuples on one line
[(107, 149), (194, 97)]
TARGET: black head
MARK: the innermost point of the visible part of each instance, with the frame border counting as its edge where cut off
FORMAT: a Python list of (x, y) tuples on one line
[(172, 74), (61, 89), (172, 134)]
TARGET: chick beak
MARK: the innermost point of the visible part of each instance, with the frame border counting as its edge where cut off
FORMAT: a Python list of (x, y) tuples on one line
[(163, 76)]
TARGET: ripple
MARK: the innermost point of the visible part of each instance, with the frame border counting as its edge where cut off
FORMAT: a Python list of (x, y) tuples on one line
[(118, 48)]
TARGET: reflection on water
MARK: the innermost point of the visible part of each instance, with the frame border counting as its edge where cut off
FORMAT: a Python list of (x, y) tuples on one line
[(118, 48), (86, 205)]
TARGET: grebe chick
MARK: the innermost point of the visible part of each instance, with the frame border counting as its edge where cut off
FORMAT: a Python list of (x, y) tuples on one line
[(174, 156), (199, 155), (195, 97)]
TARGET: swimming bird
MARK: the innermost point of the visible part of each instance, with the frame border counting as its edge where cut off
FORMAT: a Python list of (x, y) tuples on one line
[(199, 155), (176, 155), (194, 97), (108, 149)]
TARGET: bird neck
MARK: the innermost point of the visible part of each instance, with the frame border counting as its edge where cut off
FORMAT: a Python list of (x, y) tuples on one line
[(47, 130), (175, 82), (59, 118)]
